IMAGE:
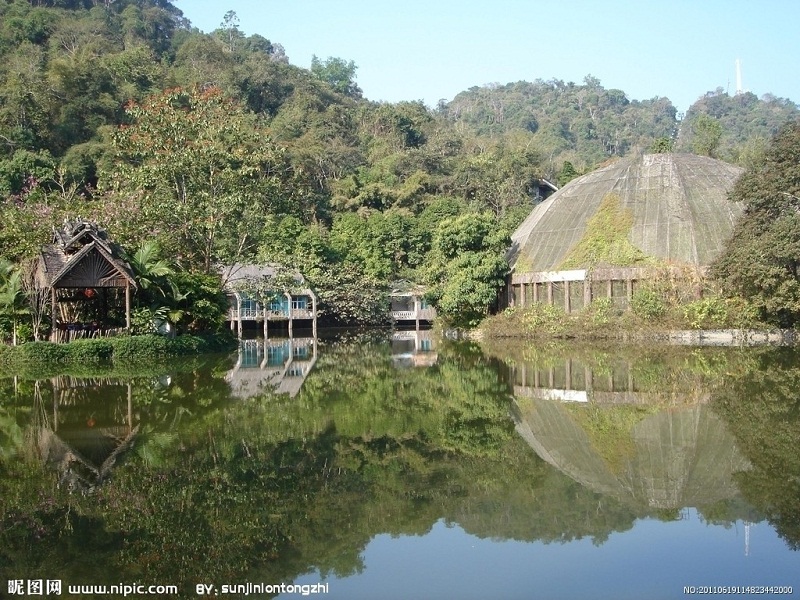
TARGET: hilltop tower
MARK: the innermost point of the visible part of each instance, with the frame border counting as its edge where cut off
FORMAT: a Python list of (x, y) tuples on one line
[(739, 88)]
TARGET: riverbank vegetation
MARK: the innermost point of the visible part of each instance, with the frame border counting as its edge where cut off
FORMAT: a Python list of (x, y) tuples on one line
[(219, 150), (648, 315), (94, 356)]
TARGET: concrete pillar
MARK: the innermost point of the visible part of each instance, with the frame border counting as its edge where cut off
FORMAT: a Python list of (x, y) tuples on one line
[(291, 315), (54, 309), (568, 375), (587, 292), (314, 314), (239, 314), (522, 295), (535, 292), (550, 292), (567, 300)]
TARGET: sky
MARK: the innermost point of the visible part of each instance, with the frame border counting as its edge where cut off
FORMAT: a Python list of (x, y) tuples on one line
[(431, 50)]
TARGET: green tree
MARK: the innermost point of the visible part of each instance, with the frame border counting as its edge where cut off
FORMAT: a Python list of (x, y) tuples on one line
[(151, 270), (707, 134), (567, 173), (229, 31), (199, 173), (12, 298), (761, 262), (467, 267), (662, 145), (338, 73)]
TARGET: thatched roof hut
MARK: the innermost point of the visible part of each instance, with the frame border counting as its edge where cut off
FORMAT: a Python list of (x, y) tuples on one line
[(83, 265)]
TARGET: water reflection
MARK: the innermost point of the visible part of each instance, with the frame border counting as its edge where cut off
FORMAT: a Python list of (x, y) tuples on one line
[(414, 348), (89, 426), (274, 364), (641, 439), (357, 449)]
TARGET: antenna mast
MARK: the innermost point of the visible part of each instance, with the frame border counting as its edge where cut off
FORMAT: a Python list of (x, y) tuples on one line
[(739, 88)]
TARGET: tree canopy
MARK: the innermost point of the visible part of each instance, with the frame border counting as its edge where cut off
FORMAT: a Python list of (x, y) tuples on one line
[(762, 259), (123, 112)]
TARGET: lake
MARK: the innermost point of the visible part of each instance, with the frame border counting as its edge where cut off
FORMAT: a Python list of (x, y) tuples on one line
[(372, 465)]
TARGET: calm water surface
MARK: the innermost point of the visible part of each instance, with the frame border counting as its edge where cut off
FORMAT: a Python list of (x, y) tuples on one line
[(408, 468)]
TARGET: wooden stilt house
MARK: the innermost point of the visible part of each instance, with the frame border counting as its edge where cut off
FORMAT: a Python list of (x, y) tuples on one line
[(268, 293), (88, 281)]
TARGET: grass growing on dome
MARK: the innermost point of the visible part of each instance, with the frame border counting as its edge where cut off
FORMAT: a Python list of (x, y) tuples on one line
[(605, 241)]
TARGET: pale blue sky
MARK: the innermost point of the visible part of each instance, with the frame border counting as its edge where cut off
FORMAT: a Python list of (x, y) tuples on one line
[(432, 49)]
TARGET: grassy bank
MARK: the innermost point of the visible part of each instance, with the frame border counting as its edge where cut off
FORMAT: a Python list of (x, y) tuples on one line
[(649, 314), (114, 352)]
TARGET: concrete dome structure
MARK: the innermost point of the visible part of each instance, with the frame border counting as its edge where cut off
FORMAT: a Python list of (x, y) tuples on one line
[(677, 205)]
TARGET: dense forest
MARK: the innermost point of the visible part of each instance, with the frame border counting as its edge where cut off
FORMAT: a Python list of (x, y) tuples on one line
[(215, 148)]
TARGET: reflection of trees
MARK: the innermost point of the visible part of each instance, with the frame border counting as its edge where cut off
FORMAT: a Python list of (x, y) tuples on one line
[(761, 406), (276, 486)]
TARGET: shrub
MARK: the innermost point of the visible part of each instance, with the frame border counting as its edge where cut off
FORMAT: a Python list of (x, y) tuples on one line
[(602, 311), (89, 350), (710, 311), (140, 346), (647, 303), (546, 318), (44, 352)]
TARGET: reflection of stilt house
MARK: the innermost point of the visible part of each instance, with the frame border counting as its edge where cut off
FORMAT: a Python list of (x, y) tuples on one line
[(279, 365), (408, 305), (88, 281), (83, 437), (414, 348), (299, 304), (669, 210)]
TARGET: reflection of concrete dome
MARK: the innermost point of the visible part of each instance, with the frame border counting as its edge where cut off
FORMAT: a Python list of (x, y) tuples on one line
[(670, 459), (678, 205)]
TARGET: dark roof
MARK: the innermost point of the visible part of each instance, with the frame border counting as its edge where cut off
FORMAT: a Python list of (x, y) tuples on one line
[(407, 288), (82, 255), (241, 272)]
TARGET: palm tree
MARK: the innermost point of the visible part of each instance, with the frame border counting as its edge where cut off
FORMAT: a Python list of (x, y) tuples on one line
[(152, 272), (12, 298)]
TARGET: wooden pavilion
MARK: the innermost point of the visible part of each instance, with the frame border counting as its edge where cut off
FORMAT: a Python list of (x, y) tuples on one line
[(85, 275)]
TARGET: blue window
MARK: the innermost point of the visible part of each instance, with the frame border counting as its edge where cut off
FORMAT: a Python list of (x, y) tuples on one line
[(279, 305)]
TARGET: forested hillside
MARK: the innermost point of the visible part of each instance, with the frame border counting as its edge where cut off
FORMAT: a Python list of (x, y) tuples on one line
[(583, 124), (216, 148), (734, 128)]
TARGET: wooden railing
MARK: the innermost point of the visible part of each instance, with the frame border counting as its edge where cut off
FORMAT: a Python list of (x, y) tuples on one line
[(423, 314), (62, 335), (252, 314)]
